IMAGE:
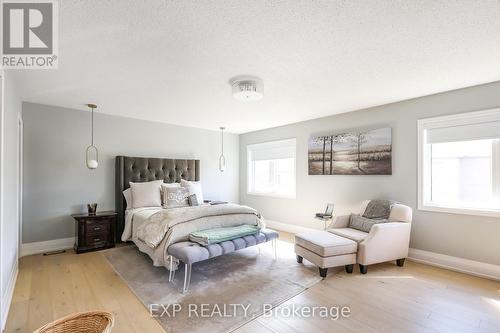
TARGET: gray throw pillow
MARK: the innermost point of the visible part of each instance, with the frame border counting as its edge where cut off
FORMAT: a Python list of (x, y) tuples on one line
[(193, 200), (363, 224), (175, 197)]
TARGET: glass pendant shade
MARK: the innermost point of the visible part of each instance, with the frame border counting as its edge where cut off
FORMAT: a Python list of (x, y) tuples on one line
[(92, 157), (91, 153), (222, 158), (222, 163)]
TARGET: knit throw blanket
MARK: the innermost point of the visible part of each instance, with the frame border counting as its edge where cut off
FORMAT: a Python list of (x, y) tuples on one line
[(378, 209)]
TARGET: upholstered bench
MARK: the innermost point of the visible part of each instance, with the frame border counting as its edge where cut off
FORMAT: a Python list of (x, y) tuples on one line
[(191, 252), (325, 250)]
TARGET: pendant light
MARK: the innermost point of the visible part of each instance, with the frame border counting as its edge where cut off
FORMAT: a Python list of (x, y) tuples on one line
[(91, 153), (222, 158)]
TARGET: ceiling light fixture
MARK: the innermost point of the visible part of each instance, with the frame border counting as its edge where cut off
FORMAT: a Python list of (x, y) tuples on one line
[(222, 158), (247, 88), (92, 162)]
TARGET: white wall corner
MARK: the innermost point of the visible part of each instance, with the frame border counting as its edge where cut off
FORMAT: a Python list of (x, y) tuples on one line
[(8, 293), (47, 246), (461, 265)]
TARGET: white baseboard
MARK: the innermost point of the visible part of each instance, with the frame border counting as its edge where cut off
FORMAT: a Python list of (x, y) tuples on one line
[(7, 295), (47, 246), (461, 265), (467, 266), (291, 228)]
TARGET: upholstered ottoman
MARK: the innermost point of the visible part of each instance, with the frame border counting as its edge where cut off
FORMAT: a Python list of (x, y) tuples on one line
[(326, 250)]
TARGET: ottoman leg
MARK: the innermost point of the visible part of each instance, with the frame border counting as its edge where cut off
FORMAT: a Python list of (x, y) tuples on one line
[(349, 268), (299, 259), (363, 269), (322, 272), (400, 262)]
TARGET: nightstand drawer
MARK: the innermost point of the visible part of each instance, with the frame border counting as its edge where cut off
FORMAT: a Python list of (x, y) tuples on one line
[(97, 239), (97, 227)]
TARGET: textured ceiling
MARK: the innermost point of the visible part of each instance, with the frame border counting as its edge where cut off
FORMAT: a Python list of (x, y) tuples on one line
[(170, 61)]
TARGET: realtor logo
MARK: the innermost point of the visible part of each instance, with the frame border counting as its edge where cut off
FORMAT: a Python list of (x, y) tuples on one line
[(29, 34)]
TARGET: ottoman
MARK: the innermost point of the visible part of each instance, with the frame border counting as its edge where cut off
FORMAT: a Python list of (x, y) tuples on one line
[(325, 250)]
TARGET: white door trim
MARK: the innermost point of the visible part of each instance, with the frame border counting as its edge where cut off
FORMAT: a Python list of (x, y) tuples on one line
[(20, 145)]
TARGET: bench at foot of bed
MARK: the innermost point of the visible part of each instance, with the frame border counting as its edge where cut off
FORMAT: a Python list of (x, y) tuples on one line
[(190, 252)]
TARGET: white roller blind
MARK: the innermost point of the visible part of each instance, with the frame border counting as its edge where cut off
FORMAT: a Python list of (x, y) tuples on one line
[(477, 131), (272, 150)]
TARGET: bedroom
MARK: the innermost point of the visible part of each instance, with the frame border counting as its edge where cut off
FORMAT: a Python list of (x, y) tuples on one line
[(324, 105)]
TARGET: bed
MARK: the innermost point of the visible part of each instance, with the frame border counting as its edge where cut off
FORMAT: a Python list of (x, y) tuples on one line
[(155, 229)]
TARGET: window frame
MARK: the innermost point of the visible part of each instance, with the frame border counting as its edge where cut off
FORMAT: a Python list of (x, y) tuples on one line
[(249, 170), (424, 154)]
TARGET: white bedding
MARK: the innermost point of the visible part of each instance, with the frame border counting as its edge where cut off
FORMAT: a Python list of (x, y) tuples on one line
[(153, 229), (134, 218)]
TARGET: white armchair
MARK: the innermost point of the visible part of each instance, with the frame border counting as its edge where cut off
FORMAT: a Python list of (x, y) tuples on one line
[(385, 241)]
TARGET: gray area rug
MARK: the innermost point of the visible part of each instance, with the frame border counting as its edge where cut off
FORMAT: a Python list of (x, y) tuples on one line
[(244, 277)]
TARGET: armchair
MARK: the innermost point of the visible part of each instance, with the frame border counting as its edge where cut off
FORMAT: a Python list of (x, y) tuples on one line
[(385, 241)]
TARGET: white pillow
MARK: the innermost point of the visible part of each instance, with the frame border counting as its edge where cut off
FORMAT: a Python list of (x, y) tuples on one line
[(146, 194), (128, 197), (194, 188)]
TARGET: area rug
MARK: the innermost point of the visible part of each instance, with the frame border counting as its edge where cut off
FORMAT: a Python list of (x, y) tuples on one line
[(225, 292)]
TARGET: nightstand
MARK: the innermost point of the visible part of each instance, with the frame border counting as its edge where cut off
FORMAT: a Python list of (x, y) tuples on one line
[(94, 232)]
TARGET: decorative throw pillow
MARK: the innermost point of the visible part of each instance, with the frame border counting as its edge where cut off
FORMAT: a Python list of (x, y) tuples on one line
[(146, 194), (175, 197), (163, 189), (362, 223), (192, 200), (194, 188), (128, 197)]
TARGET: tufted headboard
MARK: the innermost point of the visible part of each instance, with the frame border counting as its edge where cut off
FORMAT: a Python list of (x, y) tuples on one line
[(145, 169)]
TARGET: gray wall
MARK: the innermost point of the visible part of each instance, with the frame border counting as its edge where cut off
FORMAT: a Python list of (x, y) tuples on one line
[(57, 182), (464, 236), (9, 196)]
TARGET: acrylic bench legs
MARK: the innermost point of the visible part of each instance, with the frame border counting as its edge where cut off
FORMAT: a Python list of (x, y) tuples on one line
[(171, 274), (187, 277)]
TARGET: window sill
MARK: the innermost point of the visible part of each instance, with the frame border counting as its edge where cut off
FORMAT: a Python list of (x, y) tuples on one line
[(272, 195), (461, 211)]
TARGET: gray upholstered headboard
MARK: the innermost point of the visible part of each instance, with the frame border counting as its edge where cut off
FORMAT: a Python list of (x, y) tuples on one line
[(145, 169)]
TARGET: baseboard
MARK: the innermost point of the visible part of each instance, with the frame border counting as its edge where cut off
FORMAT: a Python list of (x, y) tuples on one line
[(467, 266), (456, 264), (291, 228), (7, 295), (47, 246)]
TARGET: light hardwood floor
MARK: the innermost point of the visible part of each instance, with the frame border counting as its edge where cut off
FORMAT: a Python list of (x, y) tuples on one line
[(416, 298)]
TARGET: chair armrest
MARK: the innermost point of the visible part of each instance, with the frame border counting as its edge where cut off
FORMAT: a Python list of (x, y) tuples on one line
[(386, 241), (389, 229), (341, 221)]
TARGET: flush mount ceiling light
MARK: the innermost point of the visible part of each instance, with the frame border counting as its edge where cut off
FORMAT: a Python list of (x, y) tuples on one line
[(247, 88)]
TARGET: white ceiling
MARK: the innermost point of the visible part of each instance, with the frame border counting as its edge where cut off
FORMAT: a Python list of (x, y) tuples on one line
[(170, 61)]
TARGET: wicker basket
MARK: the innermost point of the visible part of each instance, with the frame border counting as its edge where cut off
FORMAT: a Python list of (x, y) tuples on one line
[(82, 322)]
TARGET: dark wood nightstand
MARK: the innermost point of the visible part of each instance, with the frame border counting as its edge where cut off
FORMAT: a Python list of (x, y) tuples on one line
[(94, 232)]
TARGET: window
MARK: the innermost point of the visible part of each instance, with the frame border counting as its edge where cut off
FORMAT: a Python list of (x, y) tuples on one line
[(459, 163), (271, 168)]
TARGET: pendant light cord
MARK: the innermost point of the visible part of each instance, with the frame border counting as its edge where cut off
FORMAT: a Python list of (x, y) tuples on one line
[(222, 137), (92, 138)]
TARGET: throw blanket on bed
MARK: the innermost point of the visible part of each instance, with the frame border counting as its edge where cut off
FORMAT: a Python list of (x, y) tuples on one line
[(218, 235), (177, 224)]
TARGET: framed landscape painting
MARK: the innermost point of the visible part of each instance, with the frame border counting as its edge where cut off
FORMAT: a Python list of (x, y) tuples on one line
[(353, 153)]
